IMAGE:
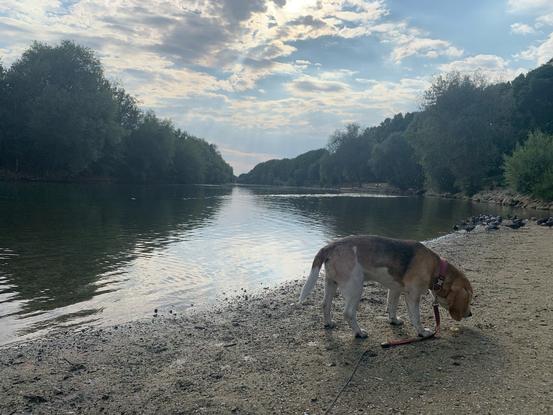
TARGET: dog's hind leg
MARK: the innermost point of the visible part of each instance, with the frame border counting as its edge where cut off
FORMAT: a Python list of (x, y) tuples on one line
[(393, 299), (330, 292), (352, 292)]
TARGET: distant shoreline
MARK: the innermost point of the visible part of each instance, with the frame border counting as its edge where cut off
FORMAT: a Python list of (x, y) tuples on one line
[(92, 180), (500, 196)]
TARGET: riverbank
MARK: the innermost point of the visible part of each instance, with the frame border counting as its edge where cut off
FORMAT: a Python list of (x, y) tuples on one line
[(503, 197), (506, 197), (500, 196), (264, 353)]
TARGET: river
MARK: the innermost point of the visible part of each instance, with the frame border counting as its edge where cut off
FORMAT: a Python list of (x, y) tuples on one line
[(74, 255)]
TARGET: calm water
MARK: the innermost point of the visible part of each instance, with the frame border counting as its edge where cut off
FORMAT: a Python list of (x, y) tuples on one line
[(74, 255)]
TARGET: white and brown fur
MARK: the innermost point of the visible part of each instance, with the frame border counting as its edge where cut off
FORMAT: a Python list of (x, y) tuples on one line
[(406, 267)]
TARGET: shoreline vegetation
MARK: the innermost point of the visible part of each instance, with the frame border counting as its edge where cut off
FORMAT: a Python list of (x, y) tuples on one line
[(469, 136), (61, 119), (263, 353)]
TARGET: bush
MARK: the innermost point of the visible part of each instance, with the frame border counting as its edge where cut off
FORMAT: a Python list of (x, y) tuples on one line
[(530, 168)]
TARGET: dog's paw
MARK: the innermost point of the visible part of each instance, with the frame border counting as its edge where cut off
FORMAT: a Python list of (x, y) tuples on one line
[(425, 333), (330, 325), (395, 321), (362, 334)]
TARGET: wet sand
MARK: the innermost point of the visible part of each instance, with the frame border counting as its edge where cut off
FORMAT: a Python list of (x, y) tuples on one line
[(264, 353)]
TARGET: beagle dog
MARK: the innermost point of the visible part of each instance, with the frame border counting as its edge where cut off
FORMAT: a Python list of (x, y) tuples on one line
[(402, 266)]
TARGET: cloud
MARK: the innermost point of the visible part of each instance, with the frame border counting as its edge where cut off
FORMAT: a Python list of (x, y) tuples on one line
[(393, 97), (194, 39), (528, 6), (243, 161), (430, 48), (409, 41), (522, 29), (308, 21), (240, 10), (493, 67), (246, 74), (544, 20), (307, 85), (315, 105), (234, 71), (244, 41), (541, 53)]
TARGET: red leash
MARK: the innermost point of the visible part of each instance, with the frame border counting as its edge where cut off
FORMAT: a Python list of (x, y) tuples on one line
[(400, 342)]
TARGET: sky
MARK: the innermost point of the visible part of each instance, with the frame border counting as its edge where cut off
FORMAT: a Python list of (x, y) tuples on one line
[(267, 79)]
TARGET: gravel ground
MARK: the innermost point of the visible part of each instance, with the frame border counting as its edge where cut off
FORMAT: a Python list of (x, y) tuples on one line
[(264, 353)]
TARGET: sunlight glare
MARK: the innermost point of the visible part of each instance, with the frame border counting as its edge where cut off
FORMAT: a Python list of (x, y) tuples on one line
[(299, 7)]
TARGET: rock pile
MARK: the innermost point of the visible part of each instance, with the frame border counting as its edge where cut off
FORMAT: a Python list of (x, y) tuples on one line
[(547, 221), (491, 223)]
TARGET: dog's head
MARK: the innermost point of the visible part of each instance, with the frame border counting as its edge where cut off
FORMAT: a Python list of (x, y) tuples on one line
[(459, 296)]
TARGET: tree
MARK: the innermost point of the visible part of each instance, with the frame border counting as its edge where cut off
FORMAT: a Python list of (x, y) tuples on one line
[(62, 109), (534, 106), (341, 138), (129, 117), (530, 168), (216, 169), (187, 162), (149, 150), (302, 170), (348, 159), (3, 114), (394, 162), (463, 131), (61, 118)]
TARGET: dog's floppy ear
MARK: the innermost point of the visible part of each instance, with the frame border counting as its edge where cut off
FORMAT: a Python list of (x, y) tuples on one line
[(458, 302)]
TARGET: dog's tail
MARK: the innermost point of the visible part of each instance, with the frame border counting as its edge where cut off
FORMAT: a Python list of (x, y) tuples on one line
[(318, 262)]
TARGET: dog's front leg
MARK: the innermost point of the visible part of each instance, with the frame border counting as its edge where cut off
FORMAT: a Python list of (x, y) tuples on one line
[(412, 300)]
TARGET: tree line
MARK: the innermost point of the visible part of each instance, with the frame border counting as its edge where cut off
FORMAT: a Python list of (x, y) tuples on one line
[(60, 118), (469, 135)]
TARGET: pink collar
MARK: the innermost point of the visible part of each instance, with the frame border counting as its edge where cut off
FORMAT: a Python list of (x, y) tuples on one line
[(439, 282)]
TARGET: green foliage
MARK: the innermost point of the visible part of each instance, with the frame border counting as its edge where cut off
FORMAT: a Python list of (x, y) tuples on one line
[(348, 157), (187, 161), (357, 157), (394, 161), (214, 169), (61, 118), (149, 150), (155, 152), (457, 142), (3, 112), (530, 168), (534, 103), (62, 110), (354, 156), (462, 133), (300, 171)]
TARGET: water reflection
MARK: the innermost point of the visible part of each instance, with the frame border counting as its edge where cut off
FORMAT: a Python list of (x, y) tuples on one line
[(64, 245), (97, 254), (394, 216)]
